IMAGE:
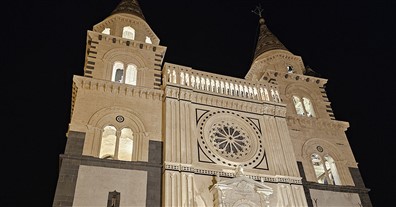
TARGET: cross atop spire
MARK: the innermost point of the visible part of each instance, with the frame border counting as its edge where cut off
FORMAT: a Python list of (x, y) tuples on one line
[(129, 7), (266, 40), (258, 10)]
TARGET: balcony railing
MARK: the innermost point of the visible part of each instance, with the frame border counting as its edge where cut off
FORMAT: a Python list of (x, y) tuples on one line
[(214, 83)]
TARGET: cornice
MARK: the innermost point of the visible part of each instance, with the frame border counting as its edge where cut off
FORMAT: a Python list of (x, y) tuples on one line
[(110, 39), (230, 173), (270, 74), (83, 83), (296, 122)]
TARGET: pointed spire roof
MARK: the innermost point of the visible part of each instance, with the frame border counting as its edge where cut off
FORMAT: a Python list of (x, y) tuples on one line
[(266, 40), (129, 7)]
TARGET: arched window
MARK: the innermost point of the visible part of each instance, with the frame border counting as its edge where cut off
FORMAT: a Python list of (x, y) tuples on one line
[(106, 31), (131, 74), (128, 76), (308, 107), (290, 69), (332, 169), (125, 145), (325, 169), (118, 146), (298, 105), (148, 40), (304, 106), (118, 72), (108, 143), (128, 33)]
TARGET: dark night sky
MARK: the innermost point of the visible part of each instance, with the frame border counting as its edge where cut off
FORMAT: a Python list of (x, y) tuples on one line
[(350, 43)]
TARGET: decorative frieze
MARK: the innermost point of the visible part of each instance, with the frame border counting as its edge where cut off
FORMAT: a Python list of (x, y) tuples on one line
[(230, 174), (116, 88), (100, 37), (314, 123)]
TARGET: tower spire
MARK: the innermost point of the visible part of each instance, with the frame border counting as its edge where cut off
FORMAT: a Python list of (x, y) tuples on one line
[(266, 40), (129, 7)]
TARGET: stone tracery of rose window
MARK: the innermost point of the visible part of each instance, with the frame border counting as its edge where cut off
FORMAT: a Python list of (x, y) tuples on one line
[(229, 140)]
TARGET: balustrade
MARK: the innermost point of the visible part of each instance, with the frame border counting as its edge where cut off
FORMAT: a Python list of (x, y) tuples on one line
[(199, 80)]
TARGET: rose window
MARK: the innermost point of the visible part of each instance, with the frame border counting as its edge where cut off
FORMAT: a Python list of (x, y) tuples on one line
[(229, 140)]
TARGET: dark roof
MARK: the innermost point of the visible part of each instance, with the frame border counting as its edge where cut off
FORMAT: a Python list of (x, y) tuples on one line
[(266, 40), (129, 7)]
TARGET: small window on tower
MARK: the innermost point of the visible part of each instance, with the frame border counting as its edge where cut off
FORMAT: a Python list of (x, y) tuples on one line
[(106, 31), (113, 199), (108, 142), (308, 107), (148, 40), (298, 105), (118, 72), (303, 106), (128, 32), (289, 69), (325, 169), (131, 74)]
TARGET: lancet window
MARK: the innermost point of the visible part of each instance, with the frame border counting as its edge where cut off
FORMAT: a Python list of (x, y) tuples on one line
[(116, 144), (303, 106), (325, 169), (126, 75)]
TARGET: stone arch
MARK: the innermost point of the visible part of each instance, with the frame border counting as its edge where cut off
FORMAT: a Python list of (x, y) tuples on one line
[(311, 146), (297, 89), (322, 148), (104, 116), (120, 118)]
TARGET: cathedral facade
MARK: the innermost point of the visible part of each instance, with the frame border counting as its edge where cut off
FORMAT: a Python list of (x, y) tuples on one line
[(144, 132)]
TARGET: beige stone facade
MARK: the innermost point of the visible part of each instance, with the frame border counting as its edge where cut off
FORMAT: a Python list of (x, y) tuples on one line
[(161, 134)]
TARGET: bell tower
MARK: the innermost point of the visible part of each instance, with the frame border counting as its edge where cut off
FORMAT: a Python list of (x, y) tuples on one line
[(124, 49), (114, 149)]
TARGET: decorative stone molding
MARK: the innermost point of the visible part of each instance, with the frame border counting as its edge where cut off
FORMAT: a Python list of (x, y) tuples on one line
[(116, 88), (241, 191), (230, 173), (315, 123), (271, 58), (280, 111), (172, 92), (96, 36), (325, 147)]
